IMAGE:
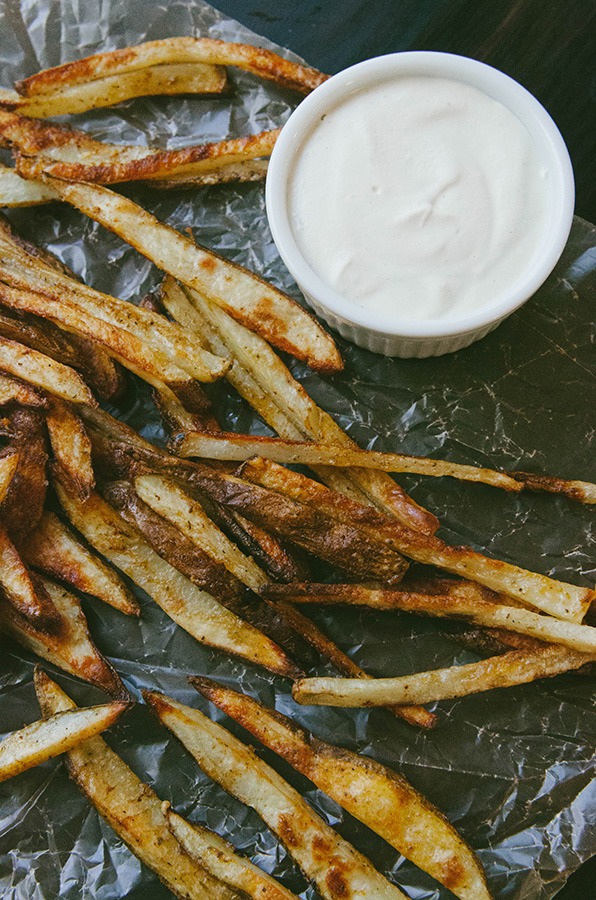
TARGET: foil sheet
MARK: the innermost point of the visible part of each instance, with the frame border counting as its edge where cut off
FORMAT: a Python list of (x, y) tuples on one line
[(512, 769)]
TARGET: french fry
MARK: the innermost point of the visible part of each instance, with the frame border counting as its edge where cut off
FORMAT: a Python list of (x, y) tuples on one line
[(17, 192), (23, 502), (69, 646), (46, 738), (8, 467), (131, 808), (193, 609), (22, 590), (80, 96), (53, 549), (512, 668), (240, 447), (336, 868), (219, 858), (14, 391), (43, 372), (251, 170), (71, 447), (248, 298), (565, 601), (372, 793), (259, 376), (168, 51)]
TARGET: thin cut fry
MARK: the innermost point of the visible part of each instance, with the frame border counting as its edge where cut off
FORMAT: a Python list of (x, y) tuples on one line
[(71, 447), (131, 807), (337, 869), (167, 51), (43, 372), (248, 298), (512, 668), (565, 601), (80, 96), (47, 738), (371, 792)]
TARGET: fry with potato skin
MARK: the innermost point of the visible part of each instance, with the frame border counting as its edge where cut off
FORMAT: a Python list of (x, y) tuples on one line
[(131, 808), (46, 738), (43, 372), (23, 502), (337, 869), (21, 589), (71, 447), (372, 793), (8, 467)]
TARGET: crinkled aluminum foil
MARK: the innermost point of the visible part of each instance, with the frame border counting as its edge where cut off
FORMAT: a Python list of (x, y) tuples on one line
[(513, 769)]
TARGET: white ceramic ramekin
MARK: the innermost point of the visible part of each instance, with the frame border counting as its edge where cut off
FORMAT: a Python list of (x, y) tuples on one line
[(402, 336)]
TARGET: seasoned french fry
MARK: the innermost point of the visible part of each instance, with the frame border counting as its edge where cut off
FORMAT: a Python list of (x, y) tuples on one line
[(8, 467), (17, 192), (344, 872), (369, 791), (23, 503), (80, 96), (71, 447), (193, 609), (248, 298), (43, 372), (24, 592), (167, 51), (13, 391), (251, 170), (565, 601), (512, 668), (131, 807), (47, 738), (228, 446), (53, 549), (219, 858), (69, 646)]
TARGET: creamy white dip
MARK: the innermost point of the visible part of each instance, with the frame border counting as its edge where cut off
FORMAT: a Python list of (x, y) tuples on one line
[(419, 196)]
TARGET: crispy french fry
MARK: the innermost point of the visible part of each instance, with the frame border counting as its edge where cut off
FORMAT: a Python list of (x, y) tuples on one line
[(565, 601), (131, 807), (14, 391), (80, 96), (24, 592), (69, 646), (23, 503), (8, 467), (371, 792), (248, 298), (47, 738), (228, 446), (43, 372), (220, 859), (259, 376), (512, 668), (53, 549), (193, 609), (345, 872), (167, 51), (251, 170), (17, 192), (71, 447)]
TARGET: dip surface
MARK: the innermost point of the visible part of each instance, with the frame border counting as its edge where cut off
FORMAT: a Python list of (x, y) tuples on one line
[(420, 197)]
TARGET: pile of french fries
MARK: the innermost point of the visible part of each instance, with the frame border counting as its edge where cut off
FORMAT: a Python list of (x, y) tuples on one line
[(217, 530)]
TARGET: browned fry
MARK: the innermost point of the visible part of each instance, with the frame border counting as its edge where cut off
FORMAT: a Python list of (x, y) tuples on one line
[(263, 63), (512, 668), (250, 170), (17, 192), (21, 589), (34, 368), (24, 500), (247, 297), (242, 446), (562, 600), (8, 467), (52, 548), (14, 391), (374, 794), (69, 646), (175, 78), (71, 447)]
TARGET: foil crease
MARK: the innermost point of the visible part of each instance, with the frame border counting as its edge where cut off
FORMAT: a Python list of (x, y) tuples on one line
[(512, 769)]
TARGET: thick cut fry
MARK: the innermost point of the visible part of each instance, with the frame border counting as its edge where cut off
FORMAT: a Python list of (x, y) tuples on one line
[(337, 869), (220, 859), (17, 192), (71, 447), (242, 446), (193, 609), (24, 592), (512, 668), (248, 298), (47, 738), (53, 549), (8, 467), (167, 51), (43, 372), (167, 79), (565, 601), (23, 503), (369, 791), (69, 646), (476, 611), (13, 391), (131, 808), (261, 378)]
